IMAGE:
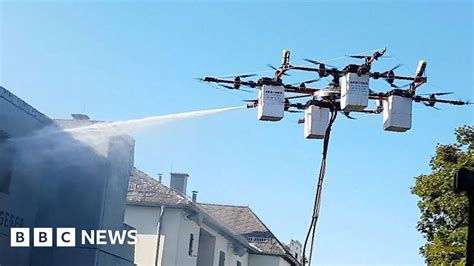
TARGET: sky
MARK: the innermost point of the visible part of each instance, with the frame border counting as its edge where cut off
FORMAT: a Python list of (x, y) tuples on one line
[(122, 60)]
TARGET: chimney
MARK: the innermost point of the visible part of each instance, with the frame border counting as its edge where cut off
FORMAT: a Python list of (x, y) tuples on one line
[(179, 181), (80, 117), (195, 195), (160, 177)]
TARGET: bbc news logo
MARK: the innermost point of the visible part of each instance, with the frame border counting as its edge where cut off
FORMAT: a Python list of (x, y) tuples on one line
[(66, 237)]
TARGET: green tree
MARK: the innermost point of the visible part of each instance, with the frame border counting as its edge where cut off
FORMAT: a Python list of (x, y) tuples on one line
[(444, 214)]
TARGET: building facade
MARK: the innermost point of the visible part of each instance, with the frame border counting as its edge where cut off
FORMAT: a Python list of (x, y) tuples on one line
[(49, 178), (176, 230)]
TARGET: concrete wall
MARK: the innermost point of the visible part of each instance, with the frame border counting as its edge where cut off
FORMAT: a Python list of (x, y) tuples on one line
[(17, 119), (207, 246), (223, 244), (145, 220), (255, 260), (176, 230), (177, 225), (174, 240)]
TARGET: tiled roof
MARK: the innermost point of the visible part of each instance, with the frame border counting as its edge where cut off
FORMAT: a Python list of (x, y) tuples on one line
[(239, 221), (143, 189), (243, 221)]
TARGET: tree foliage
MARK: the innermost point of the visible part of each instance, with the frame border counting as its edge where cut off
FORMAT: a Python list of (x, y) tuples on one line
[(444, 214)]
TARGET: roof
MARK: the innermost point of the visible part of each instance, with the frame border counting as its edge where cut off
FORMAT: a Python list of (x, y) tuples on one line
[(18, 118), (72, 123), (243, 221), (19, 103), (143, 189), (80, 116), (239, 222)]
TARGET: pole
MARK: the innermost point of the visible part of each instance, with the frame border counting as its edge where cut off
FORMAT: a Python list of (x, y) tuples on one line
[(470, 232), (464, 182)]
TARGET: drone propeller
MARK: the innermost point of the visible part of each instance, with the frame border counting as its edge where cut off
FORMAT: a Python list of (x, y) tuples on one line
[(431, 104), (437, 94), (272, 67), (310, 81), (227, 86), (276, 69), (366, 57), (391, 70), (432, 100), (398, 87), (233, 88), (347, 114), (240, 76), (317, 62), (359, 56), (302, 84), (373, 57), (390, 79)]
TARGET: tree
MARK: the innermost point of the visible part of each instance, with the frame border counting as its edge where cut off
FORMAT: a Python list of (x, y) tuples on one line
[(444, 214)]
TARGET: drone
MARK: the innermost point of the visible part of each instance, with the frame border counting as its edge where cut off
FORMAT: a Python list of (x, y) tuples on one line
[(348, 91)]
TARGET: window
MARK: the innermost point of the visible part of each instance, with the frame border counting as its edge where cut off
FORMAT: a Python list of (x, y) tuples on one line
[(191, 243), (6, 161), (239, 263), (221, 258)]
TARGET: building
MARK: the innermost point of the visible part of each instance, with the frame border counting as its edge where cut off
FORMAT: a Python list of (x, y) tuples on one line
[(49, 178), (176, 230), (52, 177)]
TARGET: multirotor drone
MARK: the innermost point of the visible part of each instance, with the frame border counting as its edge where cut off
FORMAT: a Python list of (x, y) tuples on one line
[(348, 91)]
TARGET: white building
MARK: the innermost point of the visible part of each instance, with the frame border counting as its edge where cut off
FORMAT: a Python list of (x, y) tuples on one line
[(196, 234)]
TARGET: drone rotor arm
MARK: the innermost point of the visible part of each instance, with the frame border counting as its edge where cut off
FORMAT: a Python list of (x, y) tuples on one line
[(418, 98)]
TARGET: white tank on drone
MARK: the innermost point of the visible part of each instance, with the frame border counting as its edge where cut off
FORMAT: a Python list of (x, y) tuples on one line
[(316, 120), (285, 58), (397, 113), (271, 103), (354, 92), (420, 70)]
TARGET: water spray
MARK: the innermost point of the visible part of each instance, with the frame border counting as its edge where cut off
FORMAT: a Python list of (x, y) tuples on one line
[(129, 126)]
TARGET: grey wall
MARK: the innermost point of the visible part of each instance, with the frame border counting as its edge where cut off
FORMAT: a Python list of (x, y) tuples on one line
[(207, 244), (179, 182), (20, 204), (59, 181)]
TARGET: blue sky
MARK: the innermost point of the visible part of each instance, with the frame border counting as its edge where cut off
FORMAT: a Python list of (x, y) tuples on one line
[(119, 60)]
